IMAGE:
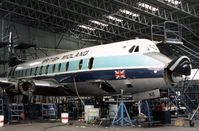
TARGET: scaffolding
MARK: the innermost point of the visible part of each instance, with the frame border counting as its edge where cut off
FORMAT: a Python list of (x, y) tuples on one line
[(49, 111), (1, 107), (15, 112), (173, 41)]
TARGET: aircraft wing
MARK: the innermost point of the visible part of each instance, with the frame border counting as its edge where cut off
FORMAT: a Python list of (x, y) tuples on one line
[(5, 82), (46, 87)]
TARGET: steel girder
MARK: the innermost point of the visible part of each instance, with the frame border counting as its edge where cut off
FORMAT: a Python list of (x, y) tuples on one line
[(67, 14), (183, 7), (58, 15)]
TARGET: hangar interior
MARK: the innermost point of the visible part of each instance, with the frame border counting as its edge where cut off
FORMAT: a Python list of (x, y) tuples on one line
[(42, 28)]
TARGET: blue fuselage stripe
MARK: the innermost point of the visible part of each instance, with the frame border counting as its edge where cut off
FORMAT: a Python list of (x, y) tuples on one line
[(106, 75)]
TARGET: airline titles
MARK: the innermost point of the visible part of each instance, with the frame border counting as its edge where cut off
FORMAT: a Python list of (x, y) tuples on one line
[(68, 56)]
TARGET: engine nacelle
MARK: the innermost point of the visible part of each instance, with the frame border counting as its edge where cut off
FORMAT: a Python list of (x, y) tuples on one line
[(21, 87), (176, 69), (26, 86)]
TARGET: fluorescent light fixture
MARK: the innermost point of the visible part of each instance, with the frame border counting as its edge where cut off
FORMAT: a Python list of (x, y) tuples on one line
[(114, 18), (86, 27), (129, 13), (147, 6), (98, 23), (34, 63), (174, 2)]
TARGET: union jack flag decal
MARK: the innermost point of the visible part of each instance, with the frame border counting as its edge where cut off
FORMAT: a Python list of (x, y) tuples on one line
[(120, 74)]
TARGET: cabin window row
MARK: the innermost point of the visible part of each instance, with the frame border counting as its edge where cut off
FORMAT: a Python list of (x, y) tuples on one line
[(46, 69)]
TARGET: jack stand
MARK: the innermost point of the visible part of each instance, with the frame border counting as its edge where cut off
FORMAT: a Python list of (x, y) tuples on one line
[(120, 115)]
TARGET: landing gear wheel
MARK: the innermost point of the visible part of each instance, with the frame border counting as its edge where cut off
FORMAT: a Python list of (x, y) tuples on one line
[(191, 123)]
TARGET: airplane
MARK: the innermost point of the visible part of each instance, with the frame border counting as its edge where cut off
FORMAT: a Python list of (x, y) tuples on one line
[(134, 66)]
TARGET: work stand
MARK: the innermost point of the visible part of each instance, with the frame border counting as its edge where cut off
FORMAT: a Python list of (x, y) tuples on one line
[(122, 116)]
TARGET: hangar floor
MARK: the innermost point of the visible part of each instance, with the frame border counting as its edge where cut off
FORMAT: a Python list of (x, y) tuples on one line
[(78, 127)]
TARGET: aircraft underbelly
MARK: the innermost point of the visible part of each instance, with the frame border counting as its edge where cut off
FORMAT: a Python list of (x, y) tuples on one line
[(130, 86)]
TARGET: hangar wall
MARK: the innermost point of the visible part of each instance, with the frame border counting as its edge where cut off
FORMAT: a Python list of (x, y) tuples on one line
[(47, 43)]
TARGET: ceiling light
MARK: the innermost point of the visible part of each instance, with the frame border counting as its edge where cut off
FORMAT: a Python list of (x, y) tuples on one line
[(114, 18), (129, 13), (98, 23), (174, 2), (86, 27), (146, 6)]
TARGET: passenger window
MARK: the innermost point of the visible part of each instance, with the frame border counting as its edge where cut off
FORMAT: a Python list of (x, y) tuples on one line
[(46, 71), (22, 71), (30, 71), (80, 64), (53, 69), (36, 71), (26, 70), (17, 73), (137, 49), (131, 49), (59, 67), (40, 71), (90, 63), (66, 66)]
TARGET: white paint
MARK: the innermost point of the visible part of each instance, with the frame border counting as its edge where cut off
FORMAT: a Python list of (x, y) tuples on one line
[(64, 118), (86, 111), (113, 49), (1, 120), (113, 110)]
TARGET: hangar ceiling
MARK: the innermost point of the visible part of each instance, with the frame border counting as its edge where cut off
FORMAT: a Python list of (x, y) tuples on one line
[(107, 20)]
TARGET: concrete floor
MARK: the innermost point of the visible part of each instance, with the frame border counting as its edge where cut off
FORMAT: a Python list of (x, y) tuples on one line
[(36, 126)]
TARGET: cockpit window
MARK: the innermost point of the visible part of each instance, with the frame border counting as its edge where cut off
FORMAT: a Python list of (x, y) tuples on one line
[(131, 49), (137, 49), (134, 49)]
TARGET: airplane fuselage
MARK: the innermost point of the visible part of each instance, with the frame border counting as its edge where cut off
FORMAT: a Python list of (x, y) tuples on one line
[(134, 66)]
